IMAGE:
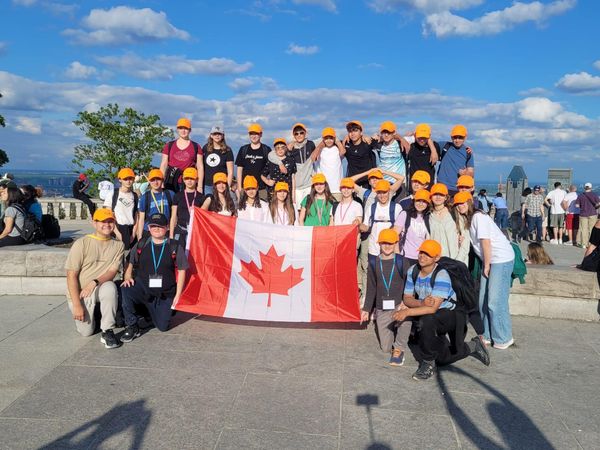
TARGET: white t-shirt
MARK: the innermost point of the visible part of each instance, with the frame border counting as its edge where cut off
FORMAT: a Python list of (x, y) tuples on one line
[(556, 197), (330, 164), (105, 188), (346, 214), (261, 214), (282, 217), (570, 198), (124, 207), (483, 227), (370, 198), (381, 222)]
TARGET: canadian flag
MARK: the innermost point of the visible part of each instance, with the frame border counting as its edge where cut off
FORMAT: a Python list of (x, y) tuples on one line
[(249, 270)]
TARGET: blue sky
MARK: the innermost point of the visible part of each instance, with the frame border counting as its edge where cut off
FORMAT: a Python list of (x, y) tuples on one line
[(524, 77)]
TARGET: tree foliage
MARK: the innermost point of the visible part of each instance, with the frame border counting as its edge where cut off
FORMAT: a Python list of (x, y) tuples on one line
[(126, 138), (3, 155)]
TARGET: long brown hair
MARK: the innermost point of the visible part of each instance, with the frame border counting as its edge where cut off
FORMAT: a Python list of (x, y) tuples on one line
[(311, 197), (215, 203), (244, 200), (210, 145), (289, 207), (468, 216), (537, 255)]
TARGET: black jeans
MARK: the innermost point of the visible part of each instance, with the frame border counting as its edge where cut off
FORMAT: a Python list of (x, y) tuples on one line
[(158, 308), (88, 201), (442, 336)]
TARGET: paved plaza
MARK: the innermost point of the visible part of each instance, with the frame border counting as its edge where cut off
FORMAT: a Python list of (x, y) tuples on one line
[(223, 384)]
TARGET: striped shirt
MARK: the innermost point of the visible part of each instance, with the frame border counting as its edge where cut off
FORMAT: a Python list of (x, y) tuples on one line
[(442, 287)]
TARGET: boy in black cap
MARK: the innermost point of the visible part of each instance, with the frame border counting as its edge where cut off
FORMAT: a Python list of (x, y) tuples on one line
[(160, 265)]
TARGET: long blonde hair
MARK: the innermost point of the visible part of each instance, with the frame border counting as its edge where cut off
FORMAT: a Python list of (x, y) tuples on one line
[(537, 255)]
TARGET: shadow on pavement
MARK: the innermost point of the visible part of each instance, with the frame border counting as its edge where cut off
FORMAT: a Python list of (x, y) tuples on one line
[(301, 325), (368, 400), (517, 429), (133, 417)]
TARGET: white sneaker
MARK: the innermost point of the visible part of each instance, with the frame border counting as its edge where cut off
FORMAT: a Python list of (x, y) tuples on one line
[(554, 241), (504, 346), (568, 243)]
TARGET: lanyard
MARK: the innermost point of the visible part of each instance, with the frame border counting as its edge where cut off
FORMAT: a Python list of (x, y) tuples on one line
[(190, 206), (387, 284), (281, 217), (160, 205), (343, 214), (156, 263)]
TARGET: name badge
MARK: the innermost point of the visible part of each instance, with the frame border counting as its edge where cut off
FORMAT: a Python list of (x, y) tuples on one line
[(155, 281), (389, 304)]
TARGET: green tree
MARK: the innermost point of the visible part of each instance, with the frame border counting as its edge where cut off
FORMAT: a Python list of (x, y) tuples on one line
[(3, 155), (126, 138)]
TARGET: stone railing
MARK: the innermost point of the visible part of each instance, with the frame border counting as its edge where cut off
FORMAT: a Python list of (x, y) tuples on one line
[(66, 208)]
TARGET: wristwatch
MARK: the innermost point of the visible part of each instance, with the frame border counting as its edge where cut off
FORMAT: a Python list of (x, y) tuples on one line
[(96, 281)]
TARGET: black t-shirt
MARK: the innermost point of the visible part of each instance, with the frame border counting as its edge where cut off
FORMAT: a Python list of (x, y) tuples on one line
[(144, 263), (252, 162), (302, 155), (595, 238), (418, 158), (215, 162), (272, 171), (183, 214), (360, 159), (77, 188)]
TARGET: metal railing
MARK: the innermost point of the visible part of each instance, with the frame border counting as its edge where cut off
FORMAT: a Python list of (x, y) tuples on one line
[(67, 208)]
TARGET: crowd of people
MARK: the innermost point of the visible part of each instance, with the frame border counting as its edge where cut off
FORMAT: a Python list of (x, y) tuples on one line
[(422, 233)]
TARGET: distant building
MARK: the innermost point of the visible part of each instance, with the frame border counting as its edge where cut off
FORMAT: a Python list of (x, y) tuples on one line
[(564, 176), (515, 183)]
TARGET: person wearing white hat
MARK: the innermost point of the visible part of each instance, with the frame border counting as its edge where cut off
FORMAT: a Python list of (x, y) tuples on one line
[(218, 158)]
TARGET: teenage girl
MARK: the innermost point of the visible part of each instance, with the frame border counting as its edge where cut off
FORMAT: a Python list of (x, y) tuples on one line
[(220, 201), (316, 206), (281, 207), (183, 206), (453, 238), (250, 206)]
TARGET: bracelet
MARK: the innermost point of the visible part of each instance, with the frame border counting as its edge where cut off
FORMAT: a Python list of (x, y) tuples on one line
[(96, 281)]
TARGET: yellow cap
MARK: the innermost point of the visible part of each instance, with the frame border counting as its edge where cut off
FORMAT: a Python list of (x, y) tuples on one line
[(279, 141), (459, 130), (328, 132), (125, 172), (439, 188), (354, 122), (421, 176), (190, 172), (388, 236), (382, 186), (423, 194), (465, 180), (423, 131), (102, 214), (255, 128), (388, 126), (462, 197), (431, 247), (282, 186), (375, 173), (299, 125), (183, 122), (318, 178), (250, 182), (155, 173), (347, 183), (219, 177)]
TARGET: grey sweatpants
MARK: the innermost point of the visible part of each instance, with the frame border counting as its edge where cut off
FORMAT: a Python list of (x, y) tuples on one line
[(106, 295), (392, 333)]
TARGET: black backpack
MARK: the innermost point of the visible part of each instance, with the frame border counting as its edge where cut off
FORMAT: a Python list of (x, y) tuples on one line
[(172, 243), (462, 282), (50, 226), (32, 229)]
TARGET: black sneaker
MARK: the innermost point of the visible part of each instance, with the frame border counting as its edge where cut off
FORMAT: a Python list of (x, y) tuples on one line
[(130, 333), (425, 371), (480, 352), (109, 339)]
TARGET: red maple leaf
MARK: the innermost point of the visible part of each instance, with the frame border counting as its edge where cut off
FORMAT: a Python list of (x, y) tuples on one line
[(269, 279)]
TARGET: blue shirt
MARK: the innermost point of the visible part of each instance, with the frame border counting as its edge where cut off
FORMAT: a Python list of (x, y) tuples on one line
[(500, 203), (36, 209), (161, 205), (391, 159), (454, 160), (442, 287)]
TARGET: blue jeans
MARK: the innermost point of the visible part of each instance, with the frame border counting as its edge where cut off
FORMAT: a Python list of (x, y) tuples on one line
[(493, 303), (207, 190), (501, 218), (535, 223)]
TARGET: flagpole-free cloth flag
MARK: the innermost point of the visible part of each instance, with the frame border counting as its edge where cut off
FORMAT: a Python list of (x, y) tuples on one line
[(248, 270)]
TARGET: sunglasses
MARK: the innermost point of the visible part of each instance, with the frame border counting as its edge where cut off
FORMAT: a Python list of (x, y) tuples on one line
[(299, 133), (458, 137)]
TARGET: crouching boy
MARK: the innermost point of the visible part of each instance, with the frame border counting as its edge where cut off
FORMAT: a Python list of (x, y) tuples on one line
[(384, 293), (441, 327), (154, 285)]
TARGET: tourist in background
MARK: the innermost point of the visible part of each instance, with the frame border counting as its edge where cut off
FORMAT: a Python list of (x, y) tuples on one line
[(532, 211), (501, 214), (569, 204), (588, 204), (80, 185), (537, 255), (554, 201), (14, 216), (30, 200)]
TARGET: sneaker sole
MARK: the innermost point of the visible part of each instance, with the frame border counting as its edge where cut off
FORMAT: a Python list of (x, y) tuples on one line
[(106, 345), (504, 346), (137, 335), (396, 364)]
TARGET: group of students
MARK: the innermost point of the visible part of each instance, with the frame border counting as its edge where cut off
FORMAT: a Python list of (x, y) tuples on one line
[(17, 204)]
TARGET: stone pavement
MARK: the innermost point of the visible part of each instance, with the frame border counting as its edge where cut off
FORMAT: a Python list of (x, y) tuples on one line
[(217, 384)]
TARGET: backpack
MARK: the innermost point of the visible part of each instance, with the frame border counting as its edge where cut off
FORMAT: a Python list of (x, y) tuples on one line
[(461, 280), (50, 226), (32, 229), (115, 199), (147, 198), (173, 174), (172, 243), (392, 210), (407, 224), (398, 262), (519, 266)]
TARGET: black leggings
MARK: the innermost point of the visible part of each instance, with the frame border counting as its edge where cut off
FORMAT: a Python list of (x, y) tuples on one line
[(88, 201), (12, 240)]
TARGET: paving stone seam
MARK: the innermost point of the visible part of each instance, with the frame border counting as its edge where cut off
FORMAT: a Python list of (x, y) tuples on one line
[(231, 409), (455, 430), (34, 321), (590, 345), (303, 433)]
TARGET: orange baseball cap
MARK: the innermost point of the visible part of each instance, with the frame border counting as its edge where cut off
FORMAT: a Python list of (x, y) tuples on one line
[(465, 180), (282, 186), (328, 132), (250, 182), (190, 172), (462, 197), (388, 126), (318, 178), (459, 130), (125, 172), (388, 236), (421, 176), (155, 173), (183, 122), (431, 247), (255, 128), (299, 125), (382, 186), (355, 122), (347, 183), (219, 177), (375, 173), (279, 141), (423, 131), (439, 188), (423, 194), (102, 214)]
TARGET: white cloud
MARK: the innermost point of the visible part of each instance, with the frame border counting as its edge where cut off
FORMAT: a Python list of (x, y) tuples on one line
[(425, 6), (78, 71), (124, 25), (535, 92), (580, 83), (445, 24), (244, 84), (165, 67), (371, 66), (294, 49), (24, 2), (597, 64), (28, 125), (328, 5)]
